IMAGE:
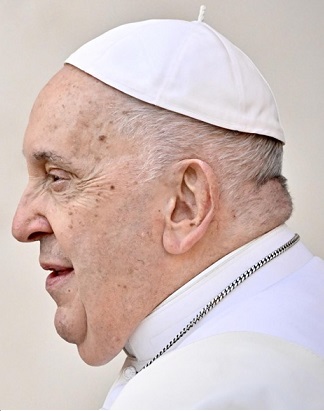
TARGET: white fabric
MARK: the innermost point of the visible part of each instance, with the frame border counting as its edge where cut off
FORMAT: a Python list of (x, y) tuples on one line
[(231, 371), (283, 299), (185, 67)]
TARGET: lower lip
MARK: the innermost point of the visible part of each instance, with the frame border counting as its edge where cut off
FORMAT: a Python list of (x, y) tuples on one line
[(56, 279)]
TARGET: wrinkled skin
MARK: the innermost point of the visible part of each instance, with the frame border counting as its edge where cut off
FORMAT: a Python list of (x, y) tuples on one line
[(99, 229)]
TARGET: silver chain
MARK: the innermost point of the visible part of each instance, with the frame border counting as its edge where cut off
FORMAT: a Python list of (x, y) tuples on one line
[(216, 300)]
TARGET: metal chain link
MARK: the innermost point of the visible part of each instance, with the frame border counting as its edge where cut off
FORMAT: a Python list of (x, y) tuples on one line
[(216, 300)]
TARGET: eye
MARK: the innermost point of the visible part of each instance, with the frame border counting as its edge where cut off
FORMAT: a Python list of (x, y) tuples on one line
[(57, 179)]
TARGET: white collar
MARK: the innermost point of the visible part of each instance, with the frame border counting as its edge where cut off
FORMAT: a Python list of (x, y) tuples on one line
[(156, 330)]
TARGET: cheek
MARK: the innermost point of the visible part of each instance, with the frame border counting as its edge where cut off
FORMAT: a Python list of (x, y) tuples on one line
[(93, 221), (107, 327), (79, 234)]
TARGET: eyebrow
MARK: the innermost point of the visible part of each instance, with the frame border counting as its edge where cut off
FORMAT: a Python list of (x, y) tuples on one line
[(49, 156)]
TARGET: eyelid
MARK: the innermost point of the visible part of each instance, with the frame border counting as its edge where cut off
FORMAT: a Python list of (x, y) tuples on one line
[(58, 172), (57, 180)]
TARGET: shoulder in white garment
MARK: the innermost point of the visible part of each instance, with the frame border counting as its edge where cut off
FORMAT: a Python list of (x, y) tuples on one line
[(230, 371)]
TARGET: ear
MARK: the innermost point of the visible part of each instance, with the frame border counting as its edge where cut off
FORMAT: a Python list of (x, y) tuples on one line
[(191, 207)]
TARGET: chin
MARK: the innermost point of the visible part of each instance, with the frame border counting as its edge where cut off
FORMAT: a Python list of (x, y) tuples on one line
[(93, 357), (93, 350), (67, 329)]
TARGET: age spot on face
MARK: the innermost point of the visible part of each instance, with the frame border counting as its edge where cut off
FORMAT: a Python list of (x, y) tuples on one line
[(102, 137), (122, 286)]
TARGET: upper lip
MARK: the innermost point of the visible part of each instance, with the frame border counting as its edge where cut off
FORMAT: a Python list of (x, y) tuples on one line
[(54, 266)]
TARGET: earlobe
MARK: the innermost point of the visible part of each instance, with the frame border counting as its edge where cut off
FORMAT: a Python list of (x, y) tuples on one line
[(191, 208)]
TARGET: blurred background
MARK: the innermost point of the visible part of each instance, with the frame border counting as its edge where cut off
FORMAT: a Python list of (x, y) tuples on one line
[(38, 370)]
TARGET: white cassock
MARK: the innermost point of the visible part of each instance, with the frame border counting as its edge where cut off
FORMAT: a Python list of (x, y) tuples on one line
[(261, 347)]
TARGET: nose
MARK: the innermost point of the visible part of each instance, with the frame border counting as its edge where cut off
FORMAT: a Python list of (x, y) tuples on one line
[(29, 223)]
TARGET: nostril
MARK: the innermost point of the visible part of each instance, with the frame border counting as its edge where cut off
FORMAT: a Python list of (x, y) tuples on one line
[(35, 236)]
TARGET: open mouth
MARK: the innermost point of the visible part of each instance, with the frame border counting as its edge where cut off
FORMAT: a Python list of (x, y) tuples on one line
[(58, 276), (65, 271)]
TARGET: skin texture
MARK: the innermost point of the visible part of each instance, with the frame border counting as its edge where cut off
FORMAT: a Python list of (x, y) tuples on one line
[(117, 245)]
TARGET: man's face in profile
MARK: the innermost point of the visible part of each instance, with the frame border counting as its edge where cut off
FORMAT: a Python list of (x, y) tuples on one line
[(98, 227)]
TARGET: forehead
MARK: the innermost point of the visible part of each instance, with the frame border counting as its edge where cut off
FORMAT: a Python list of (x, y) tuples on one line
[(72, 113)]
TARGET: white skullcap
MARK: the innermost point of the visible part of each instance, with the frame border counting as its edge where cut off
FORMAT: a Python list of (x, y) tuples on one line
[(185, 67)]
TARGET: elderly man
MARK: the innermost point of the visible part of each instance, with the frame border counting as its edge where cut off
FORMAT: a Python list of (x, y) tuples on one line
[(156, 194)]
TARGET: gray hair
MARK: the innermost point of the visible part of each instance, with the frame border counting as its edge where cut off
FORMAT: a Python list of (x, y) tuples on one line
[(167, 137)]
